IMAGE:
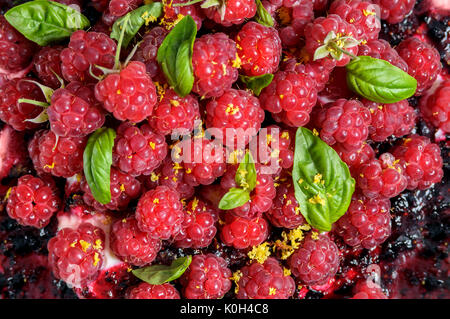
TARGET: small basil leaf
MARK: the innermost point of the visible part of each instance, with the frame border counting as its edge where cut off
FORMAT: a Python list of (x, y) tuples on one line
[(262, 16), (246, 173), (44, 22), (236, 197), (160, 274), (379, 81), (175, 56), (97, 160), (323, 184), (257, 83), (142, 15)]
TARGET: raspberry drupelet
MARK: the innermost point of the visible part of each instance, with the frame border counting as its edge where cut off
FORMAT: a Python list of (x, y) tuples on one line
[(354, 158), (208, 277), (173, 14), (13, 150), (294, 16), (394, 11), (147, 291), (436, 108), (47, 66), (368, 290), (381, 49), (119, 8), (235, 11), (318, 70), (242, 233)]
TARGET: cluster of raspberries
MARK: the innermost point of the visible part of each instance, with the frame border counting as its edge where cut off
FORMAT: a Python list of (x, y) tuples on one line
[(159, 202)]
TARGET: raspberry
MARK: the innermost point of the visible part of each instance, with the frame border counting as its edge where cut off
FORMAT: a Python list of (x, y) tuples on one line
[(259, 49), (18, 114), (396, 119), (174, 114), (13, 150), (214, 60), (383, 177), (336, 88), (85, 51), (237, 115), (354, 158), (100, 5), (316, 261), (264, 281), (147, 291), (47, 66), (129, 95), (197, 229), (62, 157), (174, 14), (366, 223), (381, 49), (77, 255), (320, 5), (132, 245), (423, 62), (74, 111), (436, 108), (295, 15), (160, 213), (123, 189), (394, 11), (241, 232), (207, 277), (33, 201), (119, 8), (318, 70), (361, 14), (236, 11), (138, 150), (422, 160), (365, 290), (290, 98), (343, 121)]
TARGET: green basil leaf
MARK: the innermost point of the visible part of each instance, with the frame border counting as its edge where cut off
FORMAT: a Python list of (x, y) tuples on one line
[(246, 173), (160, 274), (175, 56), (379, 81), (322, 181), (262, 16), (257, 83), (142, 15), (236, 197), (44, 22), (97, 160)]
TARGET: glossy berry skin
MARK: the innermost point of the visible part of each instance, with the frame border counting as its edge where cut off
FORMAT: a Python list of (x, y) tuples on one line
[(132, 245), (381, 49), (147, 291), (368, 290), (424, 62), (137, 149), (85, 50), (259, 48), (242, 233), (422, 161), (173, 14), (318, 70), (394, 11), (123, 188), (13, 150), (119, 8), (32, 202), (208, 277), (265, 281), (383, 177), (294, 16), (316, 261), (436, 108), (129, 95), (64, 160), (160, 213), (77, 255), (236, 12), (290, 98), (47, 63), (215, 65), (367, 222), (354, 158), (74, 111)]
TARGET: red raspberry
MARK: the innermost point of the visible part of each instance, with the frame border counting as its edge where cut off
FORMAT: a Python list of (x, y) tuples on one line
[(119, 8), (160, 213), (236, 11), (137, 149), (13, 150), (336, 88), (318, 70), (422, 161), (198, 228), (237, 115), (33, 201), (207, 277), (290, 97), (361, 14), (123, 188), (294, 16), (174, 14), (381, 49), (129, 95), (320, 5), (316, 261), (424, 62), (343, 121), (174, 114), (147, 291), (74, 111), (383, 177), (394, 11), (17, 114), (85, 51), (77, 255), (215, 63), (47, 66), (354, 158), (100, 5), (366, 223), (62, 157), (259, 49), (132, 245), (368, 290), (436, 108), (265, 281), (242, 233)]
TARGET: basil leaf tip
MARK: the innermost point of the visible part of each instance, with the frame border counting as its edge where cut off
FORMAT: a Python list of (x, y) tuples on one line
[(160, 274), (257, 83)]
